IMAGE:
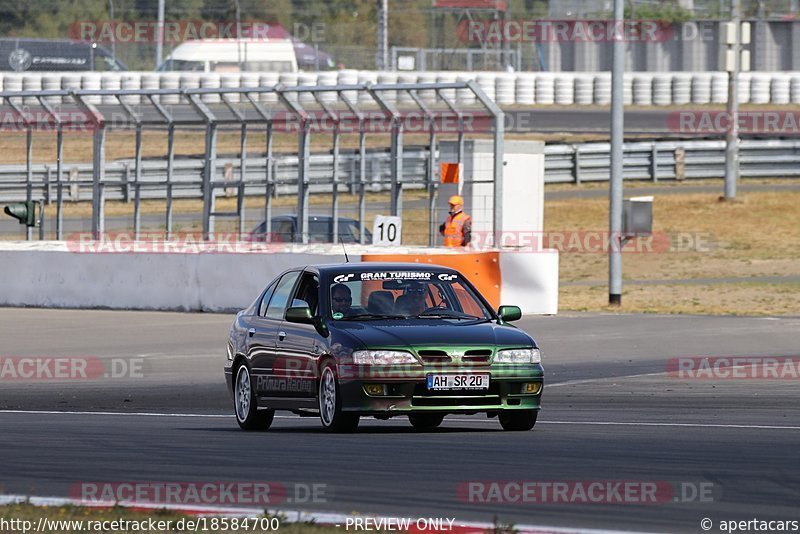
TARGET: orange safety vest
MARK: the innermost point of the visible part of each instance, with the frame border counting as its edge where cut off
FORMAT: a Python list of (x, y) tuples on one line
[(454, 229)]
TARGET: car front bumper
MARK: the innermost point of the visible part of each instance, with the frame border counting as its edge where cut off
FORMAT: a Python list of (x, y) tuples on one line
[(406, 392)]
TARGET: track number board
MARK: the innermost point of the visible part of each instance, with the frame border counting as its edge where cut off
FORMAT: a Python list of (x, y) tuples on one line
[(458, 381)]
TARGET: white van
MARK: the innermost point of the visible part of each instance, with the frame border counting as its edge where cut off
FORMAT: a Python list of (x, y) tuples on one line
[(232, 55)]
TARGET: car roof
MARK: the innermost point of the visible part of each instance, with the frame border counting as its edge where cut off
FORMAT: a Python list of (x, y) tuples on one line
[(379, 266)]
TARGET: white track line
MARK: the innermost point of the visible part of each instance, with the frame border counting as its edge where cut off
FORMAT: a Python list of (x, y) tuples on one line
[(589, 423), (290, 516)]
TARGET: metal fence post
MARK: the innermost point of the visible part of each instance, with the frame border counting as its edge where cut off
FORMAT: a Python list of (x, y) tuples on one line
[(210, 157), (654, 162), (59, 181), (303, 151), (499, 150), (137, 184)]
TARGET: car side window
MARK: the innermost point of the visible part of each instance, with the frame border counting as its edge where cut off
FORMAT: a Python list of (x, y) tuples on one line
[(308, 291), (277, 304), (262, 307)]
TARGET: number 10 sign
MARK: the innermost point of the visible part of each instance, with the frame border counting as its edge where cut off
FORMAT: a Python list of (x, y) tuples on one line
[(386, 230)]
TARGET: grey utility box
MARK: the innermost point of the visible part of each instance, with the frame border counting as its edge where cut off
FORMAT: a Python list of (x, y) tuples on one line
[(637, 216)]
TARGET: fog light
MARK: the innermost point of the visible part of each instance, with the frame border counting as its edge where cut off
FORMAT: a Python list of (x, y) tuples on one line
[(532, 388), (375, 389)]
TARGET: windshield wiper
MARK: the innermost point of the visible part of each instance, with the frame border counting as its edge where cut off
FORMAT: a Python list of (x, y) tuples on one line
[(444, 314), (367, 316)]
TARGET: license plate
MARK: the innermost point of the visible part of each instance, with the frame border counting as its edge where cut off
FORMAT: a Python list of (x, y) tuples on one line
[(465, 381)]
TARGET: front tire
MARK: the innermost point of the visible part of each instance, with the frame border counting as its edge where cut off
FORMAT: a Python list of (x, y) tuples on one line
[(425, 421), (245, 403), (331, 416), (518, 420)]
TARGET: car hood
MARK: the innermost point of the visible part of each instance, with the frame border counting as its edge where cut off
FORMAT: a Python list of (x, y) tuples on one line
[(433, 332)]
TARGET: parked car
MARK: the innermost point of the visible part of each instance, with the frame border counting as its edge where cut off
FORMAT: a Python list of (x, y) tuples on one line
[(232, 55), (381, 340), (320, 230), (24, 55)]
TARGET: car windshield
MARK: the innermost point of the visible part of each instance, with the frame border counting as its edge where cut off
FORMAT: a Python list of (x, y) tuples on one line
[(373, 295)]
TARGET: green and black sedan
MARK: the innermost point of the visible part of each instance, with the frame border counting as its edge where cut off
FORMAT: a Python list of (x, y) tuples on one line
[(341, 342)]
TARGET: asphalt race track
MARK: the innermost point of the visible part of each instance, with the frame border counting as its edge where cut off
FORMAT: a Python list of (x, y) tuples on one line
[(612, 413)]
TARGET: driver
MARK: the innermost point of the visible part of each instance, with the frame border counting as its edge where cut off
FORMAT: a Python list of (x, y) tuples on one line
[(412, 301), (341, 299)]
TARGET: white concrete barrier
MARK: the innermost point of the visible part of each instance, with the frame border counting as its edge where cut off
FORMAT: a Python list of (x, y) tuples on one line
[(681, 88), (349, 77), (111, 81), (231, 80), (328, 78), (62, 275), (643, 89), (524, 88), (210, 80), (269, 79), (545, 88), (584, 89), (31, 82), (564, 89), (51, 82), (759, 88), (602, 89), (780, 89), (719, 88), (794, 90), (171, 80), (701, 88), (662, 89), (131, 80), (505, 89), (92, 81), (465, 96), (744, 87), (447, 77), (486, 81)]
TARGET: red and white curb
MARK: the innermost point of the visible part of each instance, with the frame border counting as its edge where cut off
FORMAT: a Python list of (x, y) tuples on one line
[(300, 516)]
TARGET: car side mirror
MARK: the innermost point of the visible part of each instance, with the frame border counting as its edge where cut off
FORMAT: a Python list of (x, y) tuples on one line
[(509, 313), (300, 314)]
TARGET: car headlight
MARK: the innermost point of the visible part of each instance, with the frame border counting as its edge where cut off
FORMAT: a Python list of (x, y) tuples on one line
[(518, 356), (383, 357)]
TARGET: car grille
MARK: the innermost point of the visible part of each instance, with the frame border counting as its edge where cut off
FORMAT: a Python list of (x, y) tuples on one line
[(442, 357), (477, 356), (434, 356)]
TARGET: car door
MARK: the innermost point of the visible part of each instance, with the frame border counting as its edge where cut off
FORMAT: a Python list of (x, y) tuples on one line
[(263, 332), (299, 345)]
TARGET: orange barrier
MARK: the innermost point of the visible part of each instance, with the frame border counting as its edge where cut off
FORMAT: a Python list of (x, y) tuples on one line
[(480, 268)]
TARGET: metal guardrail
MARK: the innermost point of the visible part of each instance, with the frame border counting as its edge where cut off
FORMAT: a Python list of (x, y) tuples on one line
[(672, 160)]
